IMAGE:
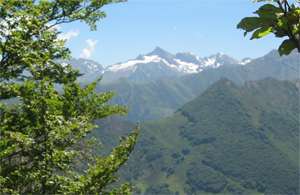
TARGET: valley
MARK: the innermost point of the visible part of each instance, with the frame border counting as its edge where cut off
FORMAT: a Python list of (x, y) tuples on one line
[(160, 97), (226, 130), (231, 129), (236, 139)]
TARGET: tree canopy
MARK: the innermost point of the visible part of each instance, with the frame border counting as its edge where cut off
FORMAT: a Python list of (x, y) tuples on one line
[(282, 20), (43, 144)]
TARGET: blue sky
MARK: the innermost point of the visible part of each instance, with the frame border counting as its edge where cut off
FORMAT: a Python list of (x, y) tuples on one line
[(135, 27)]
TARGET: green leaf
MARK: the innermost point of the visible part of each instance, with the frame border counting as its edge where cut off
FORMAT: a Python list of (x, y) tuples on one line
[(286, 47), (268, 11), (263, 31), (249, 24)]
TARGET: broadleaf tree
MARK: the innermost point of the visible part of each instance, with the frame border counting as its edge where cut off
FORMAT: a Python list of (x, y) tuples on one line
[(282, 20), (43, 143)]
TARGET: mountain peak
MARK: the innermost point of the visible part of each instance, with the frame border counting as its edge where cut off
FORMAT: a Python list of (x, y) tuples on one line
[(158, 51), (220, 55), (163, 54), (189, 58), (225, 82)]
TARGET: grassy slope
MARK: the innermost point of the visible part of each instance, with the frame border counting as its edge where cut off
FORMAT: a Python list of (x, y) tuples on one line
[(230, 139)]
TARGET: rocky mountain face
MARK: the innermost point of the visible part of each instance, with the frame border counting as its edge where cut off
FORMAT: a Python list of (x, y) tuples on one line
[(91, 69), (156, 64)]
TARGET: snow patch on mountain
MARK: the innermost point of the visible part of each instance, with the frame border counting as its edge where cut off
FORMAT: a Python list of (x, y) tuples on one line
[(134, 68), (186, 67), (92, 66), (167, 63), (209, 61), (221, 54), (130, 63), (245, 62)]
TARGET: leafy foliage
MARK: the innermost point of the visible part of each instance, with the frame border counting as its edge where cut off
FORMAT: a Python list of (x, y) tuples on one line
[(43, 145), (283, 20), (205, 178), (159, 189)]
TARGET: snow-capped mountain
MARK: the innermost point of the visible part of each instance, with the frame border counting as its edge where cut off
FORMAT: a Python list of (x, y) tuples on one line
[(156, 64), (196, 64), (91, 69), (245, 61)]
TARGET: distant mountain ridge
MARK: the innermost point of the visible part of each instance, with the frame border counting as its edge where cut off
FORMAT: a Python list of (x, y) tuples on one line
[(156, 64), (159, 98)]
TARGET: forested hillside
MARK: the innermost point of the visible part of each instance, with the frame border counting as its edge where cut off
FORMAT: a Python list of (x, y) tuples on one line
[(230, 139)]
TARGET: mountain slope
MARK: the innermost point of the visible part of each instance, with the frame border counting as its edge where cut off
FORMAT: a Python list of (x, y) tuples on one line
[(160, 63), (156, 64), (90, 68), (161, 97), (230, 139)]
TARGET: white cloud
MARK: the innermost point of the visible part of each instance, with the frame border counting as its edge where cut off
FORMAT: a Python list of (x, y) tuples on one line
[(88, 51), (175, 28), (67, 35)]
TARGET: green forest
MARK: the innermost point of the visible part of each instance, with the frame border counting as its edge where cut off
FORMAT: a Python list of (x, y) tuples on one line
[(231, 139)]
